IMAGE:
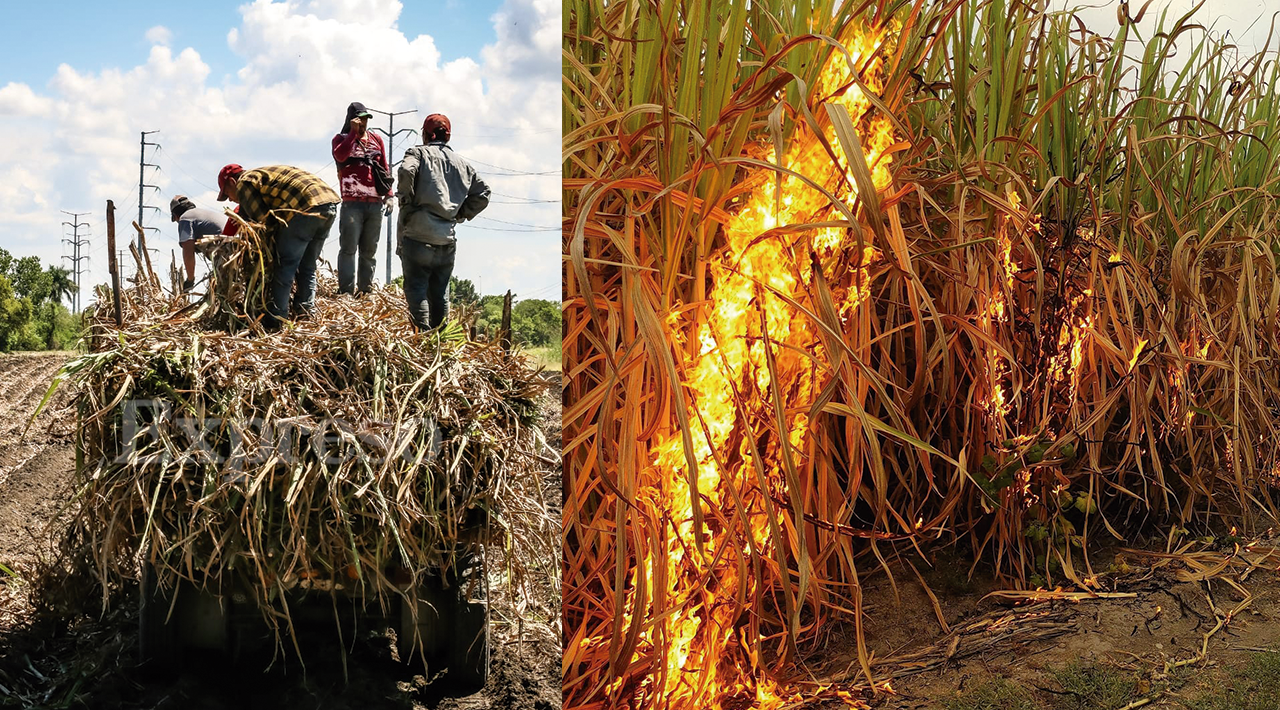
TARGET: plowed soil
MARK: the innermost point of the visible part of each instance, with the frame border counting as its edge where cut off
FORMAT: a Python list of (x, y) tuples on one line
[(61, 647)]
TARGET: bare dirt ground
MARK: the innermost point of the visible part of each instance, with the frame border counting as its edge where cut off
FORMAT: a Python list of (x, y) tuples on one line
[(60, 648), (1142, 649)]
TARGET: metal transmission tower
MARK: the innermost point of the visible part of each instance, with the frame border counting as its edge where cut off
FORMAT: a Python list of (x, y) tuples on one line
[(142, 185), (78, 253), (391, 134)]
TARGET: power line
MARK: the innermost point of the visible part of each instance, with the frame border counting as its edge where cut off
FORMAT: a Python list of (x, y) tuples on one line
[(193, 178), (518, 224), (509, 229), (77, 243), (142, 185), (488, 175), (391, 134), (523, 202), (518, 197), (544, 289), (509, 130), (514, 171)]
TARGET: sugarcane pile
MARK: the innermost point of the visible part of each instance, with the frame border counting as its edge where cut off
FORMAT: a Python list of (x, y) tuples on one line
[(344, 449)]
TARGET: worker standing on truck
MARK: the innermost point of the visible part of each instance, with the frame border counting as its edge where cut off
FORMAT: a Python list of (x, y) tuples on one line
[(193, 224), (437, 189), (365, 183), (300, 209)]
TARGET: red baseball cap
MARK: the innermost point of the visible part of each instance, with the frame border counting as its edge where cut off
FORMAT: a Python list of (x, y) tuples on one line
[(436, 123), (225, 176)]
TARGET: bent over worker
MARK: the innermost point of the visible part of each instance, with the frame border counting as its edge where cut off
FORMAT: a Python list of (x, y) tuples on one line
[(437, 189), (193, 224), (300, 208)]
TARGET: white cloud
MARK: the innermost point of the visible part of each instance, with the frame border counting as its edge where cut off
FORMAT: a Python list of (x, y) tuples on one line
[(160, 35), (300, 63), (20, 100), (529, 36)]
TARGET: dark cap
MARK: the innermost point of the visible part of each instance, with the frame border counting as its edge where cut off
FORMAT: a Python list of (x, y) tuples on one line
[(356, 109), (436, 128), (179, 206), (227, 175)]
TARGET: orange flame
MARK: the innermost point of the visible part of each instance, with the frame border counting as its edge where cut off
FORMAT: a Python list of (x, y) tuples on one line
[(1137, 352), (704, 657)]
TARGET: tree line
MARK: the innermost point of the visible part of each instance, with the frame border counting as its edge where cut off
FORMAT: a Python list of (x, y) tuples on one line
[(535, 322), (32, 315)]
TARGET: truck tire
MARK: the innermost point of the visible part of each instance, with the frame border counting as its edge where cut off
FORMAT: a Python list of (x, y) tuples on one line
[(449, 634), (468, 657), (159, 647), (424, 616)]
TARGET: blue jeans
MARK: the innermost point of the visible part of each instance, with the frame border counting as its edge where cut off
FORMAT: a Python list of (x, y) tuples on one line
[(298, 247), (427, 269), (358, 229)]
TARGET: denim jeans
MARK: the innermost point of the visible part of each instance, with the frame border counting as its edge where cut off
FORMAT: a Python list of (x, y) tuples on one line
[(298, 247), (358, 230), (427, 269)]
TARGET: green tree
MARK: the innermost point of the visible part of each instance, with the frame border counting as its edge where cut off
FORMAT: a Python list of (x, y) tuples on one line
[(30, 280), (490, 318), (535, 322), (15, 313), (60, 286), (462, 291)]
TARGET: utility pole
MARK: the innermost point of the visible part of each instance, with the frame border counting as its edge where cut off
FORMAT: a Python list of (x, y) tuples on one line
[(391, 134), (113, 264), (142, 185), (76, 257)]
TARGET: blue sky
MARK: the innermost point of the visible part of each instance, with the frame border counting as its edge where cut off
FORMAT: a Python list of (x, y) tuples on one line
[(36, 43), (267, 82)]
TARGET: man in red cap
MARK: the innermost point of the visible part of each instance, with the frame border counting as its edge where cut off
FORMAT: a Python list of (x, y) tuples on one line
[(437, 189), (300, 208)]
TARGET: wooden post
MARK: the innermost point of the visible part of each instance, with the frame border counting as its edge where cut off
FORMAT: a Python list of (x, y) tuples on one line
[(112, 262), (504, 334), (146, 255)]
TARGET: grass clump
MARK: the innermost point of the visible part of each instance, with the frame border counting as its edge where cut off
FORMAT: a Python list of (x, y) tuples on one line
[(1082, 686), (1090, 685), (546, 356), (1001, 694), (1255, 687)]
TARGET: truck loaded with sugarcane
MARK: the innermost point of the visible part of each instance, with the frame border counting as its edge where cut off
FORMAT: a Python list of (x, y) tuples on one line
[(256, 467)]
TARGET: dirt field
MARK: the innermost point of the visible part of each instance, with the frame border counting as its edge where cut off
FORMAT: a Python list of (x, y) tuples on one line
[(1105, 653), (67, 652)]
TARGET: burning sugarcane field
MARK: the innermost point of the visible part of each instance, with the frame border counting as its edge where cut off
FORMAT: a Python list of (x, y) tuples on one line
[(911, 346)]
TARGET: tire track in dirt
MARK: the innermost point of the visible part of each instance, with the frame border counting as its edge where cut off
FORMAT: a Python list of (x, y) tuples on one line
[(35, 470), (17, 364), (24, 380)]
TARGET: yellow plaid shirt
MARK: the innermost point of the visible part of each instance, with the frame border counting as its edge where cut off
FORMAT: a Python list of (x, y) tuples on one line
[(280, 191)]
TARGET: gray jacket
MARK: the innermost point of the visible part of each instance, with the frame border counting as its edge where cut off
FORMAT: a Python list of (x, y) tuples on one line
[(437, 189)]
